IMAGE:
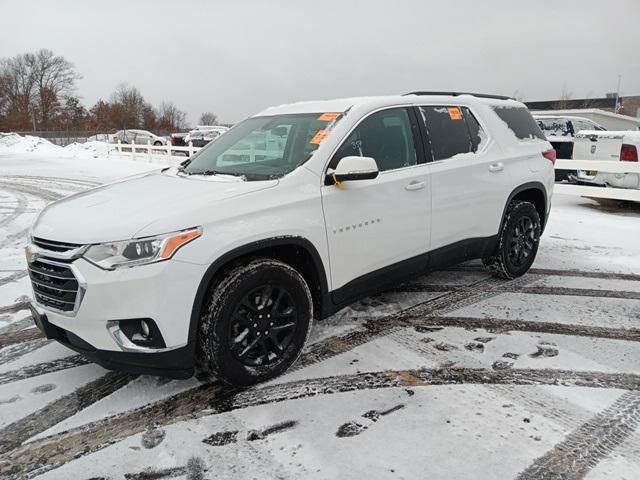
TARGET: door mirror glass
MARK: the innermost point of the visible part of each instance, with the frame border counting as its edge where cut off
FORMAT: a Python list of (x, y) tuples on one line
[(354, 168)]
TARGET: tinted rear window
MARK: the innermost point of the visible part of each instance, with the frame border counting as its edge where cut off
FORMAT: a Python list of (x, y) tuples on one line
[(448, 133), (451, 130), (520, 122)]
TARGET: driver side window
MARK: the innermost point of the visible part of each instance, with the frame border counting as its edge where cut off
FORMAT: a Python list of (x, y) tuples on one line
[(386, 136)]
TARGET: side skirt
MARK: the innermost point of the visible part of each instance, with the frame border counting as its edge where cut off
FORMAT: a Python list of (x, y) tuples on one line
[(389, 276)]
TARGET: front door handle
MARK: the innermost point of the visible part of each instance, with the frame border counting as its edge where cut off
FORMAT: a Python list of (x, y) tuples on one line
[(415, 185), (496, 167)]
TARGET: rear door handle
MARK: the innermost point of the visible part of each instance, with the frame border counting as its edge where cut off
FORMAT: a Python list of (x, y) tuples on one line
[(496, 167), (415, 185)]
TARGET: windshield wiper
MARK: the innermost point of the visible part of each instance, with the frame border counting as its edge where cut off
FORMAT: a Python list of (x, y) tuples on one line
[(215, 172)]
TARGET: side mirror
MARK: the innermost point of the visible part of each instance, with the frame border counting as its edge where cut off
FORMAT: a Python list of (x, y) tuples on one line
[(354, 168)]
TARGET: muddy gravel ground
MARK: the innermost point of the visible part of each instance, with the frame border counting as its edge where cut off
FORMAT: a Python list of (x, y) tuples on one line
[(451, 375)]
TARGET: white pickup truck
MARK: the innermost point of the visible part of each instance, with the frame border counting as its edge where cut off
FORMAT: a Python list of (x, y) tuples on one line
[(620, 146)]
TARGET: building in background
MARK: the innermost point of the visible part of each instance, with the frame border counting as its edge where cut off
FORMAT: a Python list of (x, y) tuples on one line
[(624, 116), (629, 105)]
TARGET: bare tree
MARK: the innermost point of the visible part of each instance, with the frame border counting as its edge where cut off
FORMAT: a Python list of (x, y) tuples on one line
[(171, 117), (563, 103), (18, 87), (55, 80), (128, 107), (208, 118), (34, 87)]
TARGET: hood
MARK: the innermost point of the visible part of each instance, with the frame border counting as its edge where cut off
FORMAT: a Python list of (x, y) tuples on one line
[(119, 210)]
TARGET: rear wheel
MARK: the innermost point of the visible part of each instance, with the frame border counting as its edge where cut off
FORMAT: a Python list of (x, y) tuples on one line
[(518, 241), (157, 143), (255, 324)]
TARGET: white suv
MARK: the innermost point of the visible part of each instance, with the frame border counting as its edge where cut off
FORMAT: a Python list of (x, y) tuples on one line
[(218, 267)]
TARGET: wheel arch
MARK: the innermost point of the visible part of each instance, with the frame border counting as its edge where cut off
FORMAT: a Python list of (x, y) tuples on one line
[(298, 252), (533, 192)]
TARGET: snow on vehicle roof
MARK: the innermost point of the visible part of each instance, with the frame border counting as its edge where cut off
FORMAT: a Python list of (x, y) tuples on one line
[(583, 111), (570, 117), (344, 104), (628, 134)]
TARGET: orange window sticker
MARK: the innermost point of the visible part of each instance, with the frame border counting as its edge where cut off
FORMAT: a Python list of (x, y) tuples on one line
[(319, 137), (329, 117), (454, 113)]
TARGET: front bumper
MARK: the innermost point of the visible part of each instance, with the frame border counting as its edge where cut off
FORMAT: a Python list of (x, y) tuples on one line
[(163, 291), (176, 363)]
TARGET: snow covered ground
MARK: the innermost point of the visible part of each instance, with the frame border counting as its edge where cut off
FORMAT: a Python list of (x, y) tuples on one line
[(454, 375)]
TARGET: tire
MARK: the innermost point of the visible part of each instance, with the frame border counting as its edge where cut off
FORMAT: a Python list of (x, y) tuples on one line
[(157, 143), (237, 342), (517, 242)]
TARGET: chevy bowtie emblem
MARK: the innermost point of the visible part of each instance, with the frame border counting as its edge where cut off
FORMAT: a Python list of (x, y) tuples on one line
[(29, 254)]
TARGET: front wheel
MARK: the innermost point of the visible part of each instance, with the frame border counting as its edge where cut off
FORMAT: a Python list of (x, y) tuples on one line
[(517, 242), (256, 322), (157, 143)]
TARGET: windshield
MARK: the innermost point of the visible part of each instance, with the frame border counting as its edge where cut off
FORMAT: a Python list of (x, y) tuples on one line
[(261, 148)]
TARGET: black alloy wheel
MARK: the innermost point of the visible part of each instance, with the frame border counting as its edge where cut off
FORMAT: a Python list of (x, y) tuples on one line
[(522, 239), (255, 322), (518, 241), (263, 325)]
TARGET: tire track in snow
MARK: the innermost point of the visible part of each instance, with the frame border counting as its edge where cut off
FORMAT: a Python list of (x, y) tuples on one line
[(559, 273), (504, 325), (332, 346), (43, 368), (17, 350), (33, 190), (537, 290), (36, 457), (16, 307), (14, 434), (13, 277), (585, 447), (21, 207), (20, 336), (55, 180)]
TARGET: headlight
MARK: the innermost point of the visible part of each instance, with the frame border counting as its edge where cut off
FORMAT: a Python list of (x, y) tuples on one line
[(139, 251)]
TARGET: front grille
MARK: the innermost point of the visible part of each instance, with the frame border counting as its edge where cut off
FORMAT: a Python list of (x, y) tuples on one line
[(54, 284), (55, 246)]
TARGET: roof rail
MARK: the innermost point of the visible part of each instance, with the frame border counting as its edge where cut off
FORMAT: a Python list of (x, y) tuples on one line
[(456, 94)]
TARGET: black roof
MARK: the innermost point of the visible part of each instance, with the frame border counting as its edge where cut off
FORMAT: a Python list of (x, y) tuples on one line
[(456, 94)]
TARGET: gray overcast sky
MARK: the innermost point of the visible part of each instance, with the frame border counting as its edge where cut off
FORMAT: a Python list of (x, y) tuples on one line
[(237, 57)]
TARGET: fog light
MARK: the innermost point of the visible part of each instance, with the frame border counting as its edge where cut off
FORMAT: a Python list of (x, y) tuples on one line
[(144, 327)]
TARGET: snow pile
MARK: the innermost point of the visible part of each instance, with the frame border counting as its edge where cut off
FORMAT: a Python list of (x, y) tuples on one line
[(11, 143), (89, 149), (14, 143)]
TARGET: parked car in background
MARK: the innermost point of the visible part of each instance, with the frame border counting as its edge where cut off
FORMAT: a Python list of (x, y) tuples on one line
[(177, 139), (139, 137), (560, 130), (622, 146), (293, 214), (203, 134)]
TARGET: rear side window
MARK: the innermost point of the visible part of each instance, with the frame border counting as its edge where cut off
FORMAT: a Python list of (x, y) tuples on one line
[(520, 122), (554, 126), (451, 130), (476, 134)]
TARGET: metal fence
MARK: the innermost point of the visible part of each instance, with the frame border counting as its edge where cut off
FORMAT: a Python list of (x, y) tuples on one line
[(62, 138)]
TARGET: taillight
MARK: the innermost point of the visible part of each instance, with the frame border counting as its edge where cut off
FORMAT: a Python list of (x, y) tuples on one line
[(628, 153), (550, 155)]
